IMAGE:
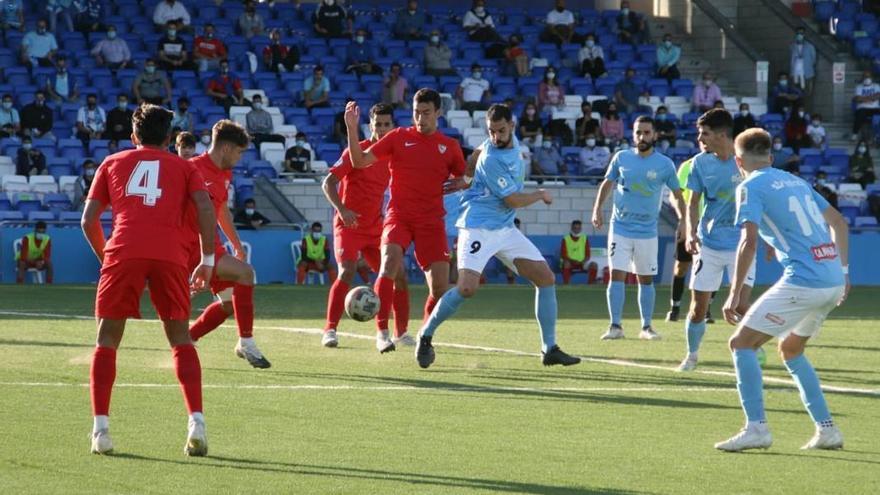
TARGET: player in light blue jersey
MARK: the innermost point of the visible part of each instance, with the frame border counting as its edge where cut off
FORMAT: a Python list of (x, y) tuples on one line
[(486, 229), (712, 236), (637, 177), (795, 220)]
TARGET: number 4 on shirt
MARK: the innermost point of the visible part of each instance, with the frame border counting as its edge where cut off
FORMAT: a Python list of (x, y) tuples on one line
[(144, 182)]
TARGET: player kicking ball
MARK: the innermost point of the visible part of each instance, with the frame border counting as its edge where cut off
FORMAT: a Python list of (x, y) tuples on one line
[(357, 195), (487, 229), (795, 220), (637, 177), (232, 282), (149, 190)]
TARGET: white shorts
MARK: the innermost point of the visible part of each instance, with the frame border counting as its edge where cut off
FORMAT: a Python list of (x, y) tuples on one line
[(788, 308), (477, 246), (637, 256), (709, 268)]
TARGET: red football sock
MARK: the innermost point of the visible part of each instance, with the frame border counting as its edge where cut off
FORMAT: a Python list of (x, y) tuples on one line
[(189, 373), (401, 311), (364, 273), (101, 379), (430, 302), (566, 275), (243, 305), (384, 288), (301, 273), (592, 273), (212, 317), (336, 303)]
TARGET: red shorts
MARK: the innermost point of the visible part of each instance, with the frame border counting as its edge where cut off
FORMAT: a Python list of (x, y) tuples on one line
[(429, 237), (195, 256), (348, 243), (122, 284), (34, 263)]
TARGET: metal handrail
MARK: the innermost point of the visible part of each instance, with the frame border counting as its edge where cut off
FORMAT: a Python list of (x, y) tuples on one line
[(823, 46), (729, 29)]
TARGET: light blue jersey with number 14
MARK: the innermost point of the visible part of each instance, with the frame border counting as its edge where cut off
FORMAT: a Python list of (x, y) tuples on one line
[(499, 173), (639, 191)]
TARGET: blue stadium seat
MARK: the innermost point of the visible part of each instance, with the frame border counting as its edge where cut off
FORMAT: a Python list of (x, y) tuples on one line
[(843, 28), (5, 203), (823, 10), (46, 216), (25, 206), (863, 47), (8, 216)]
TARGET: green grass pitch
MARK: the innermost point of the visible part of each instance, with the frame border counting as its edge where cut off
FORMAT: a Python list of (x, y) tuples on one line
[(351, 421)]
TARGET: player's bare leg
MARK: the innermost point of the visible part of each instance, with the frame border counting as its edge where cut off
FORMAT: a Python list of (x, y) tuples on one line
[(392, 263), (101, 378), (540, 275), (336, 301), (189, 374)]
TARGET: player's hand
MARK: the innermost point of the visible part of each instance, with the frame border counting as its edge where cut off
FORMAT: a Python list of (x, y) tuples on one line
[(731, 315), (200, 277), (597, 219), (352, 115), (692, 244), (455, 185), (681, 232), (546, 196), (349, 217), (846, 289), (240, 254)]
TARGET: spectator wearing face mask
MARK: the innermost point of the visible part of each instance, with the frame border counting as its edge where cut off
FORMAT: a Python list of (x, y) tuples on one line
[(796, 130), (551, 94), (664, 128), (411, 22), (250, 23), (706, 94), (479, 24), (627, 92), (172, 52), (279, 57), (395, 90), (360, 55), (594, 158), (784, 95), (91, 121), (531, 129), (592, 58), (861, 166), (816, 132), (867, 100), (743, 120), (84, 183), (630, 26), (112, 52), (208, 50), (119, 121), (204, 142), (38, 47), (474, 92), (29, 160), (259, 124), (170, 10), (35, 252), (438, 57), (37, 118), (11, 16), (315, 255), (550, 162), (248, 218), (783, 158), (331, 20), (516, 56), (298, 158), (612, 126), (88, 16), (802, 61), (587, 125), (151, 85), (821, 186), (182, 119), (668, 55), (226, 88), (10, 122), (185, 145)]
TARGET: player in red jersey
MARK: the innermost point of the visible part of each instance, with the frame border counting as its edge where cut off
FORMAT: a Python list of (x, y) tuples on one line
[(233, 279), (421, 161), (149, 190), (357, 230)]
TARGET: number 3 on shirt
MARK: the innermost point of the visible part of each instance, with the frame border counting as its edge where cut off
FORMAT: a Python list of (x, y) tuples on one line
[(144, 182)]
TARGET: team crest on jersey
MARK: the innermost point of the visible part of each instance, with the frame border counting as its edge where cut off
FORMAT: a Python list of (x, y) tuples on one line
[(652, 175), (777, 185), (442, 148), (502, 182)]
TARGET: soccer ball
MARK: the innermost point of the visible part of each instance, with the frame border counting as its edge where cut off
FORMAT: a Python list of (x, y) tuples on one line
[(361, 303)]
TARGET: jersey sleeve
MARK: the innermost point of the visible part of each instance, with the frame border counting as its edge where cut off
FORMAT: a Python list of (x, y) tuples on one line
[(499, 181), (342, 166), (749, 207), (820, 200), (100, 189), (195, 181), (672, 178), (695, 180), (456, 168), (613, 172), (384, 147)]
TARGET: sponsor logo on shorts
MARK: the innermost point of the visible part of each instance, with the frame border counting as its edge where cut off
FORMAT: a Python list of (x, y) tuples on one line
[(823, 252), (774, 319)]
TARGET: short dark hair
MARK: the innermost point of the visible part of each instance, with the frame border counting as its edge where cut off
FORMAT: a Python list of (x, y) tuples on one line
[(428, 95), (227, 131), (151, 124), (92, 95), (717, 119), (300, 133), (40, 225), (7, 95), (183, 99), (661, 107), (755, 142), (576, 222), (499, 112), (644, 119), (40, 92), (318, 225), (250, 200), (380, 109), (186, 139), (475, 66), (318, 68)]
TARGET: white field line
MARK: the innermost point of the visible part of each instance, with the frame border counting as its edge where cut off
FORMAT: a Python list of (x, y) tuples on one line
[(613, 362)]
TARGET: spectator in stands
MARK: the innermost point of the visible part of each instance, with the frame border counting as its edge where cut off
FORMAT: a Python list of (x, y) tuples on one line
[(259, 123), (559, 25), (360, 56), (551, 94), (587, 125), (395, 89), (183, 119), (37, 118), (411, 22), (61, 86), (172, 50), (36, 252), (706, 94), (331, 20), (112, 52), (91, 120), (438, 57), (784, 95), (84, 182), (612, 126), (38, 47), (226, 88), (592, 58), (29, 160), (340, 135), (796, 130), (119, 121), (668, 55), (185, 145), (298, 158), (743, 120), (204, 141), (783, 158), (316, 89), (516, 56), (248, 218), (60, 8), (10, 121), (867, 99), (11, 16), (315, 255), (628, 91), (474, 92), (574, 255), (630, 25), (861, 166), (816, 131), (168, 11), (251, 23), (279, 57), (479, 23), (151, 85), (821, 187), (594, 158), (88, 16), (208, 50), (664, 128), (549, 160), (802, 61), (531, 130)]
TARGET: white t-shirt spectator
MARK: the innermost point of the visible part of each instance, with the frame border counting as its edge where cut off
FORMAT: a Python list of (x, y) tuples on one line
[(554, 17), (173, 12), (473, 89), (471, 20), (94, 120), (868, 90), (816, 133)]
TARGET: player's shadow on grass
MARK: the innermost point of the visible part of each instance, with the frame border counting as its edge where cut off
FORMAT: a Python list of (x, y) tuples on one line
[(46, 343), (415, 480), (830, 456), (846, 347)]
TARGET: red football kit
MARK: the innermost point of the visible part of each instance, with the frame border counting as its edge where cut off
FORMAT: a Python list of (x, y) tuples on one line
[(148, 190), (217, 183)]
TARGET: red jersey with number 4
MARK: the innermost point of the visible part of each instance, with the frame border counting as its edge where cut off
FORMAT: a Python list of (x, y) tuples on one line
[(149, 190), (362, 190), (419, 165), (217, 183)]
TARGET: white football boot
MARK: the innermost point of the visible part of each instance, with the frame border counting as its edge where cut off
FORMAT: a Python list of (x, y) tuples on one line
[(614, 332), (748, 438), (688, 364), (247, 349), (829, 438), (329, 339), (383, 342), (404, 340), (101, 442), (648, 333), (196, 439)]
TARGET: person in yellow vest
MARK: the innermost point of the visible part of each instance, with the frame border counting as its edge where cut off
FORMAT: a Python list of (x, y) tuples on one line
[(35, 252), (574, 255), (315, 255)]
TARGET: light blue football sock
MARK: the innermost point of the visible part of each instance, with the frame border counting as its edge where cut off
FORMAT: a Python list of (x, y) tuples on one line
[(811, 392), (647, 297), (446, 307), (616, 296), (749, 384), (694, 333), (545, 312)]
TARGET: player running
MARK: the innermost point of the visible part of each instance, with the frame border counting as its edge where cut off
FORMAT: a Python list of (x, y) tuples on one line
[(714, 176), (421, 161), (233, 280), (638, 177), (794, 219), (486, 229), (357, 230), (149, 190)]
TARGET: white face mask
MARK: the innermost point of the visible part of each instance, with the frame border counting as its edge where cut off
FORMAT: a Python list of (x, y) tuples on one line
[(591, 142), (574, 234), (530, 112), (206, 140), (590, 43), (551, 76), (816, 123), (329, 2), (316, 235), (435, 39), (547, 145), (477, 74), (300, 143), (744, 113), (801, 114), (777, 146), (249, 211), (258, 105), (862, 150), (868, 81), (359, 39)]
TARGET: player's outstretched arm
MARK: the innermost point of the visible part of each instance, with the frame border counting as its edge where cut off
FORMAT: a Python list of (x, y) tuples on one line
[(207, 223), (840, 236), (328, 186), (745, 255), (523, 199), (91, 226), (604, 189), (359, 158)]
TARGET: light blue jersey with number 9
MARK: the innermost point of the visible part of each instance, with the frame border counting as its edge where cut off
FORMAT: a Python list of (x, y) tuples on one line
[(499, 173)]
